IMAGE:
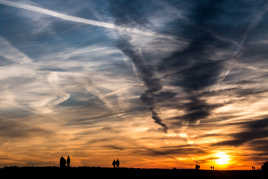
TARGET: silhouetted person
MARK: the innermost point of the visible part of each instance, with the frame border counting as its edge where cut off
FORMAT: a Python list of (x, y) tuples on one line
[(62, 162), (114, 163), (117, 163), (68, 162), (197, 167), (264, 169)]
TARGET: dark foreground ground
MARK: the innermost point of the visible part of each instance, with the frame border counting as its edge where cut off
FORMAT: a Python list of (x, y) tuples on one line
[(81, 172)]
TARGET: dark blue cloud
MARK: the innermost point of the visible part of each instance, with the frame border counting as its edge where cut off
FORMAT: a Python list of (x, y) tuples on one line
[(251, 131), (4, 61), (13, 129), (83, 100)]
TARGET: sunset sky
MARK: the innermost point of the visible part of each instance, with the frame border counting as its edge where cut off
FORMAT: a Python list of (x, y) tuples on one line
[(155, 83)]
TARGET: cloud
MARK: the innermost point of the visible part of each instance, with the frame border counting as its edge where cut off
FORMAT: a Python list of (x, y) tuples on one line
[(4, 61), (194, 68), (260, 148), (114, 147), (251, 131), (179, 150), (13, 129), (146, 74), (12, 54), (78, 19)]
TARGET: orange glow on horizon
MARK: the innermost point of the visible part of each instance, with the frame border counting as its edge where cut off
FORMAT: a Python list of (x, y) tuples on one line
[(223, 159)]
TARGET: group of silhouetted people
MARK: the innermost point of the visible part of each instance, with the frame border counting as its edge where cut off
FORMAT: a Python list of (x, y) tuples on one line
[(65, 163), (116, 163)]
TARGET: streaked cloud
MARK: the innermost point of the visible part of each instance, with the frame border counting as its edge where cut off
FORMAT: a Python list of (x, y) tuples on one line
[(78, 19)]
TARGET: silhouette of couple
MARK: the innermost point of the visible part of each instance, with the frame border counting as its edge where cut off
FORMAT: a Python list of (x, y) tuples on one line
[(116, 163), (63, 162)]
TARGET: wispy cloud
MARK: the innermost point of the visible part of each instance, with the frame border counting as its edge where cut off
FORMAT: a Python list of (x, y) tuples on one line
[(80, 20), (12, 54)]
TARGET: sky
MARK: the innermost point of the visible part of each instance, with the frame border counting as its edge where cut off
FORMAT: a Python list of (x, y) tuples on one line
[(155, 83)]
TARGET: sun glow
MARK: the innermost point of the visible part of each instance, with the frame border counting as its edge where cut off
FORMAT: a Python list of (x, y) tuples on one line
[(222, 158)]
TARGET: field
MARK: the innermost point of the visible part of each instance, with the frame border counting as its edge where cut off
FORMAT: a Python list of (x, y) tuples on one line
[(86, 172)]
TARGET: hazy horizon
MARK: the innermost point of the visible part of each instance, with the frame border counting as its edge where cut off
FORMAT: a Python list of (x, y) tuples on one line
[(155, 83)]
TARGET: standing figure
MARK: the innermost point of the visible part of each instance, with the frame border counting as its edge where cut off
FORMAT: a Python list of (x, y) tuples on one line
[(113, 163), (197, 167), (68, 162), (62, 162), (117, 163)]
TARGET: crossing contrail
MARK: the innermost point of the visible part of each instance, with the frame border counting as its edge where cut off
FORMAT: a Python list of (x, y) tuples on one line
[(82, 20)]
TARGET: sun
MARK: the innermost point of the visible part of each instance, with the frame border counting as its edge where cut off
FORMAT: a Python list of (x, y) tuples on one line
[(222, 158)]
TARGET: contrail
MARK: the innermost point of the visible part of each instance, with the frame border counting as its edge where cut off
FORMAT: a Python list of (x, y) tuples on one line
[(81, 20), (237, 52)]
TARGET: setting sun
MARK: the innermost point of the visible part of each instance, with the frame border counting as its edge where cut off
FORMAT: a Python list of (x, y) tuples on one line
[(222, 158)]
